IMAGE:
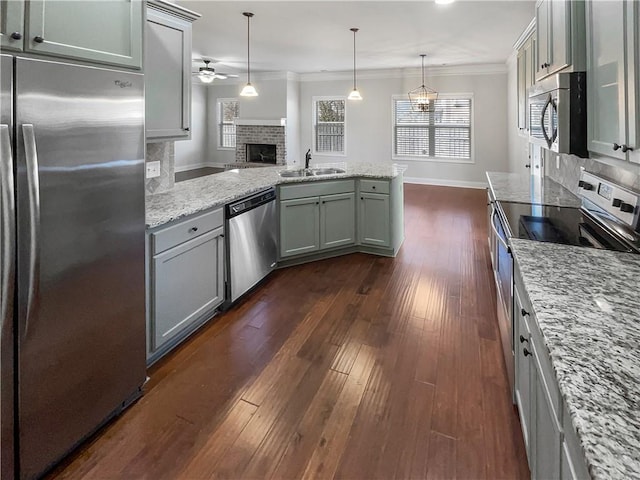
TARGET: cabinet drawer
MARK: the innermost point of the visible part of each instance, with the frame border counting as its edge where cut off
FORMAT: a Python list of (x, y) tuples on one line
[(374, 186), (185, 230), (316, 189)]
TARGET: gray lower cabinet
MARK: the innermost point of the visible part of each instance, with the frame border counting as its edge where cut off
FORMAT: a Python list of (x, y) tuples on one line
[(374, 219), (68, 29), (552, 446), (299, 226), (316, 216), (185, 278), (167, 66), (337, 220)]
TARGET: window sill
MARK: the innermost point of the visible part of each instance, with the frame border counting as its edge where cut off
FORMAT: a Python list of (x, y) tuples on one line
[(228, 149), (434, 159)]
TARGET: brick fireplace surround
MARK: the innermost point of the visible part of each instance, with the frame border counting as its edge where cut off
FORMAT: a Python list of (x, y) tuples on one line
[(269, 134)]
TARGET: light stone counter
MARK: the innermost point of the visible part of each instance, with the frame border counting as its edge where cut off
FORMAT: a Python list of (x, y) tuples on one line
[(193, 196), (587, 303), (513, 187)]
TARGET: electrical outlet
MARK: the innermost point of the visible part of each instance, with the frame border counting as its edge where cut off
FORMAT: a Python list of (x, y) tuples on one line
[(153, 169)]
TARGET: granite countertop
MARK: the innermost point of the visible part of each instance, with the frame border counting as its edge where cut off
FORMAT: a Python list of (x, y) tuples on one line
[(198, 194), (514, 187), (587, 303)]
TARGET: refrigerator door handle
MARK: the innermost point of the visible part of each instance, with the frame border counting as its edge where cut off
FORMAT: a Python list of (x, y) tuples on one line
[(7, 278), (31, 158)]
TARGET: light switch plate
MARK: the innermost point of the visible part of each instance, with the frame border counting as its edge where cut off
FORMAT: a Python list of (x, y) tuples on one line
[(153, 169)]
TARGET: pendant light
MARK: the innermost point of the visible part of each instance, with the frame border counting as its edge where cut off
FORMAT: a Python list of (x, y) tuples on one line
[(248, 90), (421, 97), (355, 94)]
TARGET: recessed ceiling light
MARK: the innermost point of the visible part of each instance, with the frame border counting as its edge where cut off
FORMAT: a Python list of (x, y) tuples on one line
[(444, 2)]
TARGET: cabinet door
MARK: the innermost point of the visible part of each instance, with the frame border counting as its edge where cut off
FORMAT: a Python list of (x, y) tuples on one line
[(11, 23), (559, 35), (542, 38), (299, 226), (523, 372), (375, 228), (187, 284), (606, 77), (546, 432), (633, 80), (522, 89), (99, 31), (337, 220), (167, 68)]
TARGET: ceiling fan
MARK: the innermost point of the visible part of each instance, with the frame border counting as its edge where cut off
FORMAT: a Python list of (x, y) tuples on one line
[(208, 74)]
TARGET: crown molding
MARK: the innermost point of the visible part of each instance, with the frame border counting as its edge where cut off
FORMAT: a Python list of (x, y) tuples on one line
[(440, 71), (524, 36), (174, 9)]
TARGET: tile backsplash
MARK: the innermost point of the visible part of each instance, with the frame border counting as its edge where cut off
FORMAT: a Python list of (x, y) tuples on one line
[(164, 152), (569, 172)]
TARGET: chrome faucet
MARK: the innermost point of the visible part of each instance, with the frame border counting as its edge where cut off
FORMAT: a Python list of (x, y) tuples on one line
[(307, 158)]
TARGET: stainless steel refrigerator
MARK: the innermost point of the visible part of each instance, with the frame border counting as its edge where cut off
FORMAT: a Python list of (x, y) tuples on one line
[(72, 349)]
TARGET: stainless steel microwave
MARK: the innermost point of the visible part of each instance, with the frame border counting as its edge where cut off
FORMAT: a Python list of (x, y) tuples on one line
[(557, 112)]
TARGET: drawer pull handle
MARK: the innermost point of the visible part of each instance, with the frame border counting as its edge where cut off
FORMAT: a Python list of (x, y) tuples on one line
[(193, 229), (374, 187), (526, 352), (38, 39), (523, 312), (16, 36), (626, 148), (522, 339), (616, 147)]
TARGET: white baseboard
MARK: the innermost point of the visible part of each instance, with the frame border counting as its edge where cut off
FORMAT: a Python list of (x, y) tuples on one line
[(444, 182), (185, 168)]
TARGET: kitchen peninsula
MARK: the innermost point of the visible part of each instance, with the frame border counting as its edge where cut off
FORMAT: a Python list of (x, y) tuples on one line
[(199, 252)]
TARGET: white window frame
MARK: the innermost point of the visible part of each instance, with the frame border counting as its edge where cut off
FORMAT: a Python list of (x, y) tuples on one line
[(314, 101), (420, 158), (219, 103)]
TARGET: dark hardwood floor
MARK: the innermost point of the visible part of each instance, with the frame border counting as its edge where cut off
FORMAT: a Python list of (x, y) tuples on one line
[(357, 367)]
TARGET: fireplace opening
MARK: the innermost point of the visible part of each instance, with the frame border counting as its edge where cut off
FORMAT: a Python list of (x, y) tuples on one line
[(261, 153)]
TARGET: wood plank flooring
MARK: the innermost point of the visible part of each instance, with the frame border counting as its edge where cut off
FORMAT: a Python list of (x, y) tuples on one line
[(357, 367)]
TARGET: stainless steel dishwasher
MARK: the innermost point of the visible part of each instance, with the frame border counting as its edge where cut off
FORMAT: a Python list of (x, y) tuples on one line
[(252, 250)]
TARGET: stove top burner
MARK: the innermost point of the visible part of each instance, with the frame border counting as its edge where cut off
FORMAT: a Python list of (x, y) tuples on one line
[(566, 225)]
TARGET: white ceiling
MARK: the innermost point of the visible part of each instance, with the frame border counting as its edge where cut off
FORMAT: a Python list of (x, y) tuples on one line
[(314, 36)]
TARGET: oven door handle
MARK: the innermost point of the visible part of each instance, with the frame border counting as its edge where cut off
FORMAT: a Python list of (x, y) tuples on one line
[(495, 230)]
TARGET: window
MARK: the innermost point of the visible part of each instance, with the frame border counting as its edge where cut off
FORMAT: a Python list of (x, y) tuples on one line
[(329, 125), (227, 113), (444, 132)]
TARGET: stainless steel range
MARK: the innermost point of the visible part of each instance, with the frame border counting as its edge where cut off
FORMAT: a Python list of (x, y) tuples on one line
[(609, 219)]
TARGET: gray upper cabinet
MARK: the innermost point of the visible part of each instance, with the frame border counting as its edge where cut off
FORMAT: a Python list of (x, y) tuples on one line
[(167, 66), (526, 64), (559, 37), (68, 29), (11, 25), (612, 76)]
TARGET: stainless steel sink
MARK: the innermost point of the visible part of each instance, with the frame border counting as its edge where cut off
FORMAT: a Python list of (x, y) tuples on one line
[(293, 173), (310, 172), (326, 171)]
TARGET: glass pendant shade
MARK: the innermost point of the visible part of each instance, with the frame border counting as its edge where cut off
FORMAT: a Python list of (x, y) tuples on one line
[(249, 91), (355, 94), (421, 98)]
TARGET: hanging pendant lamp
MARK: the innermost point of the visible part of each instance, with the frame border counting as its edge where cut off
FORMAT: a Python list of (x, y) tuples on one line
[(421, 97), (248, 90), (355, 94)]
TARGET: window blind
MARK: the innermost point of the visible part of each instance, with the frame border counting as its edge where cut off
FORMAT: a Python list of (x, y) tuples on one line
[(442, 132)]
